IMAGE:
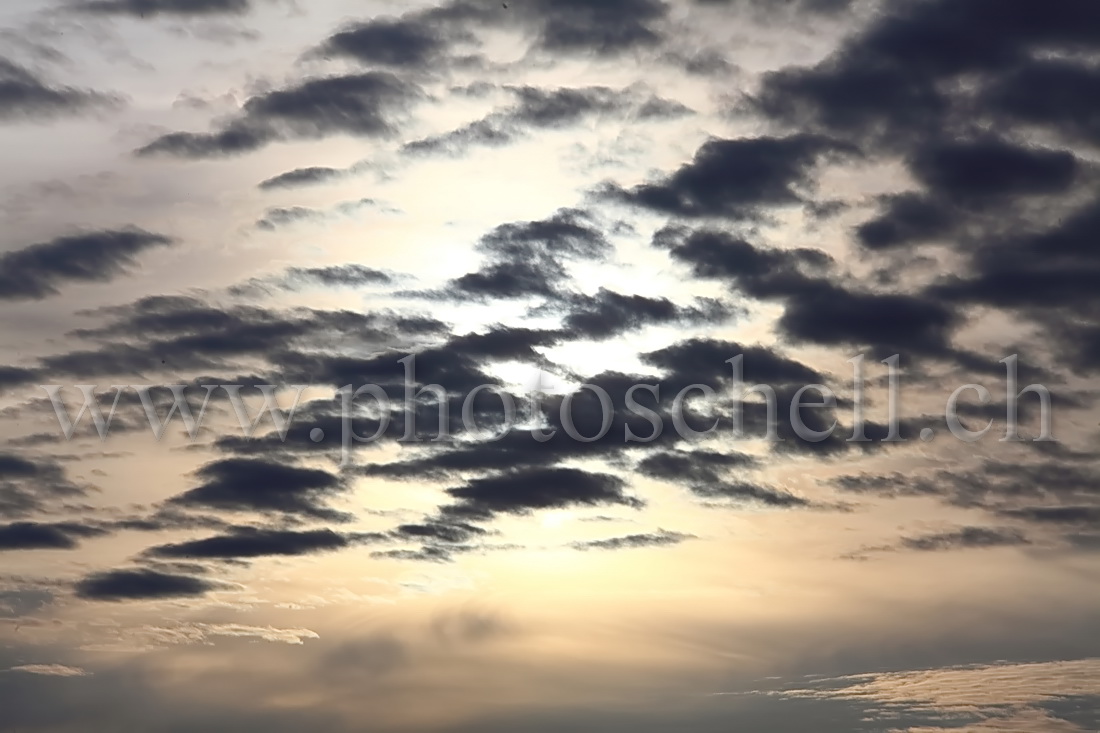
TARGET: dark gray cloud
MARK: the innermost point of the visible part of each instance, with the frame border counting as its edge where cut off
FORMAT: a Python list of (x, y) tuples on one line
[(660, 538), (168, 333), (549, 108), (1057, 94), (357, 104), (1056, 515), (774, 6), (284, 216), (966, 538), (916, 84), (886, 323), (898, 79), (1057, 499), (38, 271), (416, 40), (428, 553), (425, 39), (339, 275), (297, 279), (29, 485), (301, 177), (736, 179), (440, 530), (568, 234), (699, 466), (607, 314), (962, 538), (15, 377), (279, 217), (490, 133), (1042, 272), (140, 584), (153, 8), (820, 307), (990, 167), (25, 96), (509, 281), (458, 365), (601, 27), (519, 492), (245, 484), (527, 259), (21, 602), (755, 270), (703, 361), (537, 108), (707, 475), (38, 536), (250, 542), (908, 218)]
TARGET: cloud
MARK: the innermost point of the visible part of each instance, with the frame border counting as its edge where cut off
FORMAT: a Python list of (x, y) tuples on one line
[(416, 40), (660, 538), (600, 27), (1056, 515), (338, 275), (772, 6), (736, 179), (1058, 94), (22, 602), (301, 177), (153, 8), (894, 80), (279, 217), (428, 553), (609, 314), (705, 473), (24, 96), (757, 270), (36, 536), (966, 538), (548, 109), (527, 259), (28, 485), (451, 532), (508, 281), (356, 104), (297, 279), (245, 484), (1005, 696), (888, 323), (426, 39), (170, 332), (995, 182), (140, 584), (15, 377), (38, 271), (248, 542), (988, 167), (1055, 499), (820, 306), (484, 133), (704, 361), (908, 218), (50, 670), (518, 492)]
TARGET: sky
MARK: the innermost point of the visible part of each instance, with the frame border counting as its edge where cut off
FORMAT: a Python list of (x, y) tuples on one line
[(282, 220)]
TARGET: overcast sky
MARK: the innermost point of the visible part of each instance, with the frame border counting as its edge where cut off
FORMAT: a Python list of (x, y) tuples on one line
[(530, 196)]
